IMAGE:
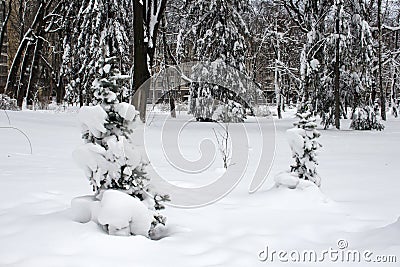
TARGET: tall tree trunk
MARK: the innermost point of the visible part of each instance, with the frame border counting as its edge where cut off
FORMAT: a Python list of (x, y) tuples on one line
[(23, 75), (24, 52), (337, 73), (382, 93), (276, 74), (373, 92), (154, 10), (394, 77), (5, 17), (12, 74), (171, 94), (35, 64), (29, 77), (21, 19), (140, 70)]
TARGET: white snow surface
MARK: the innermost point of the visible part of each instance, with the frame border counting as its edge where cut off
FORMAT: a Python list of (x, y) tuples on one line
[(358, 201)]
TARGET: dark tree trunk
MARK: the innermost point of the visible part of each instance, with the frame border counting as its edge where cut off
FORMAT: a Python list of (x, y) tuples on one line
[(395, 75), (24, 53), (171, 94), (29, 78), (373, 93), (381, 90), (153, 5), (21, 19), (279, 108), (143, 52), (23, 75), (12, 74), (6, 17), (35, 69), (140, 71), (337, 75)]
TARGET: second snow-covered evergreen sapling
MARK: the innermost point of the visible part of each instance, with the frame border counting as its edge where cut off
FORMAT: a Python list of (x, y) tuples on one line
[(7, 103), (303, 141), (230, 112), (108, 156), (366, 119)]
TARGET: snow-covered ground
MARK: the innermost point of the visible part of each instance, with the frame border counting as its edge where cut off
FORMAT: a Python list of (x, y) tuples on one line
[(359, 202)]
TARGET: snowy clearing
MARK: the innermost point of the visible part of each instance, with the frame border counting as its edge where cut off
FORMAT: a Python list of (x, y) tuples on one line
[(359, 203)]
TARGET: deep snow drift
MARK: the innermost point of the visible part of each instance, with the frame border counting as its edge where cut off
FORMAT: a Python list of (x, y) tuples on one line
[(358, 201)]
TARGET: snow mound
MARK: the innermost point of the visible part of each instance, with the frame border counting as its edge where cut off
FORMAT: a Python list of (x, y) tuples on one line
[(124, 214), (383, 236), (82, 208), (287, 179), (292, 193), (117, 212)]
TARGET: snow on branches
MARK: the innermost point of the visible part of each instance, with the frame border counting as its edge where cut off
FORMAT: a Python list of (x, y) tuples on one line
[(366, 119), (303, 141), (109, 158), (218, 33)]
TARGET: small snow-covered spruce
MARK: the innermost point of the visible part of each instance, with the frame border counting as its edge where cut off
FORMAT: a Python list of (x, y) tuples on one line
[(230, 112), (108, 156), (303, 141), (8, 103), (366, 119)]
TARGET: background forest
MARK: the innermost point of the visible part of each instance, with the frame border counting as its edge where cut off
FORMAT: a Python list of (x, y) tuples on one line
[(332, 57)]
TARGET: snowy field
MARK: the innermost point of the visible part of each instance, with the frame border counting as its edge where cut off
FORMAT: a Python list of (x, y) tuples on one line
[(358, 203)]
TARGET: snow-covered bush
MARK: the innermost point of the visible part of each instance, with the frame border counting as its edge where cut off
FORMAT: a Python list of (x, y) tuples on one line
[(394, 110), (182, 106), (366, 119), (303, 141), (262, 111), (223, 141), (229, 112), (108, 156), (7, 103), (201, 102), (162, 107)]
